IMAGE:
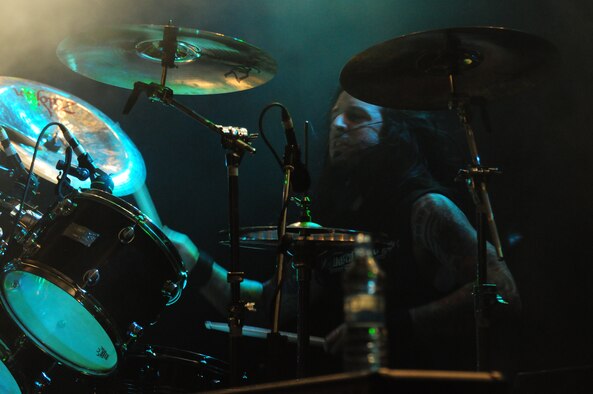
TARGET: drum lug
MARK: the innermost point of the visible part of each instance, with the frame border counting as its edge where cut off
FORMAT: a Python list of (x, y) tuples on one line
[(134, 332), (31, 247), (170, 289), (64, 207), (91, 278), (41, 383), (127, 234), (3, 246)]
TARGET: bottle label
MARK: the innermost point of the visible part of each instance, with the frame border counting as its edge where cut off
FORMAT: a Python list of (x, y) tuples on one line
[(362, 306)]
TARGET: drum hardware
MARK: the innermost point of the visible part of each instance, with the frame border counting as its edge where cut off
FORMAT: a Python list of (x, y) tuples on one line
[(134, 332), (126, 235), (307, 242), (170, 289), (30, 246), (74, 287), (236, 141), (64, 207), (160, 369), (90, 278), (452, 69)]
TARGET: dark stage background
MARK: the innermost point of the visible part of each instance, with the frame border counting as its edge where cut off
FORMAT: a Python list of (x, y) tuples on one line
[(542, 139)]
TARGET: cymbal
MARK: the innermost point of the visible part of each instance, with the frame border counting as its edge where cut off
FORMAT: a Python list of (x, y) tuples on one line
[(206, 62), (412, 71), (26, 107), (266, 237)]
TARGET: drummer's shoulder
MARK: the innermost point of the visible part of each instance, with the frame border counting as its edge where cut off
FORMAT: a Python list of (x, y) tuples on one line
[(432, 207)]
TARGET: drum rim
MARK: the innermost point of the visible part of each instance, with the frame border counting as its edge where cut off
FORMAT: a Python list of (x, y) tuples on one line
[(169, 352), (88, 302)]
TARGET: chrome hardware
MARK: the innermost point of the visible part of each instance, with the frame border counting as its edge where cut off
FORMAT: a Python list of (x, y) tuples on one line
[(64, 207), (91, 278), (170, 289), (127, 234), (134, 332), (31, 246)]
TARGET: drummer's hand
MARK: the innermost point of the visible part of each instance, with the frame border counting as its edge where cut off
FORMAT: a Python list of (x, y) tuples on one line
[(187, 249), (334, 341)]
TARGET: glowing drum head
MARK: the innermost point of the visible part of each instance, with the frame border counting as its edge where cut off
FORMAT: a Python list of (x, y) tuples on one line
[(8, 384), (58, 323)]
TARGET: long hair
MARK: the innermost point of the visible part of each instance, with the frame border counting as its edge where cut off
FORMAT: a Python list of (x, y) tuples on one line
[(412, 156)]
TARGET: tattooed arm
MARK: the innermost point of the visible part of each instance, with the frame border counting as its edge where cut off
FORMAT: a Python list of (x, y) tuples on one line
[(445, 244)]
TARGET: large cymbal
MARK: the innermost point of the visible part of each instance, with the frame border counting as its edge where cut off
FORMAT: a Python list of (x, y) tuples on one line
[(26, 107), (206, 63), (412, 71)]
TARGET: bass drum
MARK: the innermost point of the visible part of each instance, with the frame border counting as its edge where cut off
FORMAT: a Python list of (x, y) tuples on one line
[(93, 272), (159, 369)]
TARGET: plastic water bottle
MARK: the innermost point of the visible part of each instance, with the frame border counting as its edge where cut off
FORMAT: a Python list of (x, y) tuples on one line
[(365, 345)]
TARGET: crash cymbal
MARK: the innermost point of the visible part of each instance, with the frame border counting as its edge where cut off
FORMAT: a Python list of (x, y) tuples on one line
[(206, 63), (412, 71), (26, 107), (266, 237)]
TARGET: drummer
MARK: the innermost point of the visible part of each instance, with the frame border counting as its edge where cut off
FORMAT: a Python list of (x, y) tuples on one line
[(430, 273)]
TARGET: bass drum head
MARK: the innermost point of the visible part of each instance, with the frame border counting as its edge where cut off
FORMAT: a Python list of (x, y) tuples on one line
[(159, 369)]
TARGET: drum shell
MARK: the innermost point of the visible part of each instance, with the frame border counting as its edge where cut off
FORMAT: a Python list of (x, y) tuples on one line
[(159, 369), (133, 271)]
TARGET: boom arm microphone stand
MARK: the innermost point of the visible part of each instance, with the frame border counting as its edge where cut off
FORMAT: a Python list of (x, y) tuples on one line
[(236, 143)]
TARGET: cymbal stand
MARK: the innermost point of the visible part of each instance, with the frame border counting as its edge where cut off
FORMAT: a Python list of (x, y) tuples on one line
[(236, 142), (304, 258), (476, 176)]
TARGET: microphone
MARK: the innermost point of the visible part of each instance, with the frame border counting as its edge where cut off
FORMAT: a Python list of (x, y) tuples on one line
[(12, 157), (301, 179), (99, 179), (19, 172)]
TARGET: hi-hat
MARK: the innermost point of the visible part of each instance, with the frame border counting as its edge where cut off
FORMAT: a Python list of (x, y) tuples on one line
[(304, 233), (26, 107), (206, 62), (412, 71)]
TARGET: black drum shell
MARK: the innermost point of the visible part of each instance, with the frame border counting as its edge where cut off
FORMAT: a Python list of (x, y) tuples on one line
[(133, 272)]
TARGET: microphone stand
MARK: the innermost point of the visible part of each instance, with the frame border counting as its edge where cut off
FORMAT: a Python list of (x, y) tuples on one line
[(236, 142)]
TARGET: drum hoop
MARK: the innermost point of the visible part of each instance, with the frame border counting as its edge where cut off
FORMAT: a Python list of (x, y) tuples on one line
[(165, 353), (92, 306)]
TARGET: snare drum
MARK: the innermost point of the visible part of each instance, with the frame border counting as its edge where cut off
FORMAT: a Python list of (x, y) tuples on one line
[(159, 369), (93, 272)]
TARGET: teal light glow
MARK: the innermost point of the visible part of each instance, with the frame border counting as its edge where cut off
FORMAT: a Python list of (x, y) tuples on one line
[(58, 323)]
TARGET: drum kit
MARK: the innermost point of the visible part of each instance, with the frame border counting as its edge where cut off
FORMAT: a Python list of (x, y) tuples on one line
[(60, 266)]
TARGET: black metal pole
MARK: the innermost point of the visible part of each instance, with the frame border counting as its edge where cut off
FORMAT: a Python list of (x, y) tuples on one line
[(303, 279), (480, 307), (234, 276)]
